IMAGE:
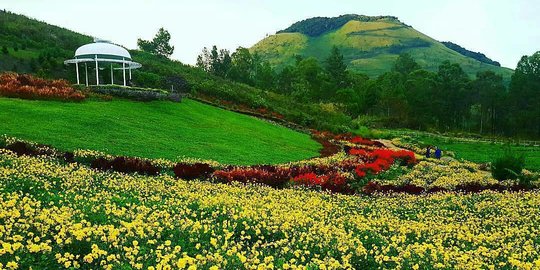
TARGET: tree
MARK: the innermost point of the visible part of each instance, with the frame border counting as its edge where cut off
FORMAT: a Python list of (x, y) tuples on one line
[(160, 45), (421, 91), (405, 64), (392, 94), (5, 50), (203, 60), (215, 63), (226, 61), (242, 67), (453, 102), (488, 90), (525, 94), (336, 68), (285, 80), (310, 77), (265, 76)]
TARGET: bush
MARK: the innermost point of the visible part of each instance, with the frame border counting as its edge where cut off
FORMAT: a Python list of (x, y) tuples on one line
[(29, 87), (126, 165), (508, 166), (192, 171), (134, 93)]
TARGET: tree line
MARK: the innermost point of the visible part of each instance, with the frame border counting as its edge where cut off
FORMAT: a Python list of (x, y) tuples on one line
[(406, 96)]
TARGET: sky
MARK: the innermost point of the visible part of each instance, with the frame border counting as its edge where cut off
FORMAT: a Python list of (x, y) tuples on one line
[(504, 30)]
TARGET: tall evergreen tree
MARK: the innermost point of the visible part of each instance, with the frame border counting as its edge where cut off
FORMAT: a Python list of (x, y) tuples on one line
[(405, 64), (336, 68), (488, 90), (242, 68), (525, 94), (452, 103), (160, 45)]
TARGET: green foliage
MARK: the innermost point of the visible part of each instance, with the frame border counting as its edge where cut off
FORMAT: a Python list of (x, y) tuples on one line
[(5, 50), (160, 45), (507, 166), (243, 66), (525, 95), (217, 63), (490, 97), (157, 129), (336, 69), (320, 25), (405, 64), (475, 55)]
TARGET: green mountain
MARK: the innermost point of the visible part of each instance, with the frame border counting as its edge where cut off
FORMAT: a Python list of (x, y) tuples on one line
[(370, 45)]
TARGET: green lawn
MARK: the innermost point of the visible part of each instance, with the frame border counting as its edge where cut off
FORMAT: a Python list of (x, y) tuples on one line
[(159, 129), (482, 152)]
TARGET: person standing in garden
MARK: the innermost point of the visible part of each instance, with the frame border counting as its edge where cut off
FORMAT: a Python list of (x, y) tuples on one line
[(428, 151), (438, 153)]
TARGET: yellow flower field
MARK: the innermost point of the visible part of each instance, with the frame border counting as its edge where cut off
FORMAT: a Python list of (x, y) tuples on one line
[(55, 215)]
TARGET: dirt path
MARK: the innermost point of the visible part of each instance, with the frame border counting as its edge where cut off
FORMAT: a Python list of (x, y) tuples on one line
[(389, 144)]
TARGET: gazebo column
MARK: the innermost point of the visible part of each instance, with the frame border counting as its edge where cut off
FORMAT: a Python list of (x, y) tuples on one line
[(130, 72), (86, 72), (112, 75), (124, 69), (97, 72), (77, 70)]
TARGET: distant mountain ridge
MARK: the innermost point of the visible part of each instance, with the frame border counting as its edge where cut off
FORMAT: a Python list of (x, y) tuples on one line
[(319, 25), (370, 45), (476, 55)]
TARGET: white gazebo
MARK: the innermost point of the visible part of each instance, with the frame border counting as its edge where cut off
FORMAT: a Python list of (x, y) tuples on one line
[(103, 53)]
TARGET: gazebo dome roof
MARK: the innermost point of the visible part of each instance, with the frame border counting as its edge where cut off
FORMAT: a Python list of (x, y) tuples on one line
[(103, 49)]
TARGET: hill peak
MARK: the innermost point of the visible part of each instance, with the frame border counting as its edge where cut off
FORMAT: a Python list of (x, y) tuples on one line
[(317, 26)]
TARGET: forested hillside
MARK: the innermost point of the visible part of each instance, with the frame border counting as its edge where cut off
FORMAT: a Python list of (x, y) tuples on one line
[(476, 55), (408, 95)]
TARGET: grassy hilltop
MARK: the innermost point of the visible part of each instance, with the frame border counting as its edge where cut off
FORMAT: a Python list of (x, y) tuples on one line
[(370, 45)]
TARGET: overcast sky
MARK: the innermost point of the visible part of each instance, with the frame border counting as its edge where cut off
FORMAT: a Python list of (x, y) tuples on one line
[(502, 29)]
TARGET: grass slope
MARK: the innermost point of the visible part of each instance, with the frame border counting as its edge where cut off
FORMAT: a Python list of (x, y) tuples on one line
[(154, 130), (369, 47)]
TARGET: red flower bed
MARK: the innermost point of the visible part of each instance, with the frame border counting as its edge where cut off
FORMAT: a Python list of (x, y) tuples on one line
[(364, 141), (275, 177), (29, 87), (381, 160), (334, 181)]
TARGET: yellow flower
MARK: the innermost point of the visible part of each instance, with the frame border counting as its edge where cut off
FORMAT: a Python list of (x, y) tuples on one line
[(12, 265), (213, 241)]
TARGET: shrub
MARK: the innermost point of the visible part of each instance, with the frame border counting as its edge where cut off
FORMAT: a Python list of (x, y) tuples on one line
[(507, 166), (269, 175), (126, 165), (21, 148), (29, 87), (192, 171), (140, 94)]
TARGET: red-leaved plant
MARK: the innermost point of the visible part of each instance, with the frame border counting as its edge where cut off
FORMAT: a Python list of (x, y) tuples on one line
[(29, 87)]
